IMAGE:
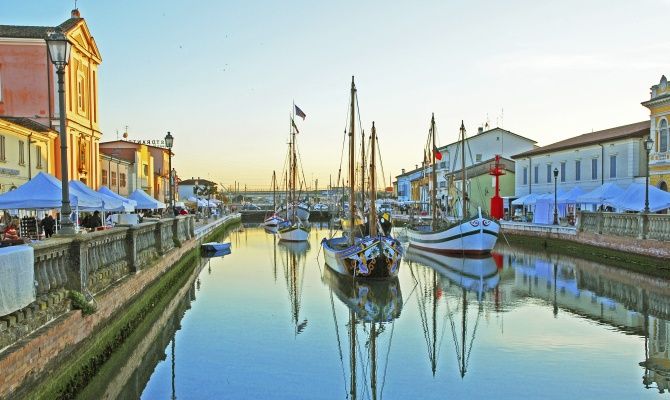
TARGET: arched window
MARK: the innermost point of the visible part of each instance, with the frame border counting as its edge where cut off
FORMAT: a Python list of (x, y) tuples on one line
[(663, 136)]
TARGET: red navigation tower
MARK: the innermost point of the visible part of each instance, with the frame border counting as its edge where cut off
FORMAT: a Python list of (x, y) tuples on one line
[(496, 170)]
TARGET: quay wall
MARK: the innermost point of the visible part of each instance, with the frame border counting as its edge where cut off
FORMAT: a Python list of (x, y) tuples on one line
[(150, 251)]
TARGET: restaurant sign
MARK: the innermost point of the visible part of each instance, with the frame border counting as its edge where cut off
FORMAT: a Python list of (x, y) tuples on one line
[(10, 172), (150, 142)]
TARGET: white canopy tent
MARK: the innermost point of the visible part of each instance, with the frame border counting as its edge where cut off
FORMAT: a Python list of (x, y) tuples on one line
[(108, 203), (632, 199), (128, 204), (525, 200), (570, 197), (144, 201), (44, 192), (600, 194)]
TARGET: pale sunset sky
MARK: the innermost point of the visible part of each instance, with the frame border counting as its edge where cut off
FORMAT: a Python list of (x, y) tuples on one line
[(222, 75)]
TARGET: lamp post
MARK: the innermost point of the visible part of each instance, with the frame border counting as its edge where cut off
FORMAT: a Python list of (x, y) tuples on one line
[(648, 144), (555, 196), (169, 141), (59, 52)]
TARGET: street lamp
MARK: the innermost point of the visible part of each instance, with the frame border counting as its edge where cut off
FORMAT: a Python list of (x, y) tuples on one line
[(59, 52), (555, 196), (648, 144), (169, 141)]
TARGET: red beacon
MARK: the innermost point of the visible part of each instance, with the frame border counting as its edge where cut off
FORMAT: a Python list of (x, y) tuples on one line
[(497, 169)]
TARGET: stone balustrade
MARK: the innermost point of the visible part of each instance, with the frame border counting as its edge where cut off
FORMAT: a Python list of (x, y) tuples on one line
[(91, 262), (638, 225)]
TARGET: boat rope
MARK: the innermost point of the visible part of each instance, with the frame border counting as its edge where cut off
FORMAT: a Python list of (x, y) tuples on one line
[(453, 332), (472, 339), (386, 361), (421, 302)]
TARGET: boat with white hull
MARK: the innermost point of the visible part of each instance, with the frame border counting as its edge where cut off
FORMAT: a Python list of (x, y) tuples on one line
[(466, 237), (301, 211), (294, 233), (476, 236)]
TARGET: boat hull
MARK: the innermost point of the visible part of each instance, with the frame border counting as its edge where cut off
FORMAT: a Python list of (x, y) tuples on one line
[(214, 246), (294, 233), (272, 222), (475, 237), (370, 257)]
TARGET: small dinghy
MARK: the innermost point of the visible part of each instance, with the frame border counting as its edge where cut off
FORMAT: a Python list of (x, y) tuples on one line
[(214, 254), (215, 246)]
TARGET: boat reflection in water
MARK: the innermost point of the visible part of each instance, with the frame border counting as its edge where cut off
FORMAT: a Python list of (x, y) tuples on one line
[(293, 258), (373, 305), (455, 278)]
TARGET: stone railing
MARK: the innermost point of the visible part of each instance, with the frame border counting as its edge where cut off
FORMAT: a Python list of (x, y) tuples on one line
[(658, 227), (91, 262), (638, 225)]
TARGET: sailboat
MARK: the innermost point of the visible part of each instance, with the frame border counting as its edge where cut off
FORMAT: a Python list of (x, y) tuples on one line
[(458, 276), (373, 305), (371, 256), (273, 220), (474, 236), (297, 229)]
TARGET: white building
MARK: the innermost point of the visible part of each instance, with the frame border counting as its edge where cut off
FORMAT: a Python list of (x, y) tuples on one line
[(186, 187), (485, 145), (614, 155)]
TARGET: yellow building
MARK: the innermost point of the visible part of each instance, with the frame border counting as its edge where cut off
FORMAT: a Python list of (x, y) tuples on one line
[(26, 148), (659, 158), (81, 97)]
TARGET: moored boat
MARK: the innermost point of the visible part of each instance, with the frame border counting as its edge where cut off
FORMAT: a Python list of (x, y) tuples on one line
[(215, 246), (466, 237)]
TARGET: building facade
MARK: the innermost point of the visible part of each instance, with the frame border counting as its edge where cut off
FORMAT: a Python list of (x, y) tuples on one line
[(148, 169), (26, 149), (117, 174), (186, 187), (659, 131), (28, 89), (615, 155), (480, 152)]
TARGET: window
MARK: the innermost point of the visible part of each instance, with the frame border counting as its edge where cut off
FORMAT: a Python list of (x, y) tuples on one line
[(122, 179), (578, 170), (478, 158), (536, 174), (0, 83), (443, 165), (104, 177), (594, 168), (38, 151), (663, 136), (548, 173), (81, 88), (525, 175), (2, 148), (563, 171), (443, 184), (146, 169), (113, 178), (613, 166), (22, 152)]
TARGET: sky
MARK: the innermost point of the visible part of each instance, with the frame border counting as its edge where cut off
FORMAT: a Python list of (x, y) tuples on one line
[(222, 76)]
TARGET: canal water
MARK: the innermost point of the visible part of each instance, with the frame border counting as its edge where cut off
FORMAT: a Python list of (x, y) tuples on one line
[(271, 321)]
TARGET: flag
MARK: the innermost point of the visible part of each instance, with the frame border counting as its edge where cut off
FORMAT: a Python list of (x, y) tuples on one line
[(299, 112), (438, 155), (294, 126)]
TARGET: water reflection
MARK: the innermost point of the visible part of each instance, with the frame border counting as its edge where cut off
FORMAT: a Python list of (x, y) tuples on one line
[(451, 278), (458, 326), (373, 306), (293, 260)]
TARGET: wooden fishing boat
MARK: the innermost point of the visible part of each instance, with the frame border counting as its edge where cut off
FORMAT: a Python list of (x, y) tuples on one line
[(467, 236), (362, 254)]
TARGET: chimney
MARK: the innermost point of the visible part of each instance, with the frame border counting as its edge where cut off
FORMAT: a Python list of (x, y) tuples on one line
[(403, 170), (75, 13), (480, 129), (416, 166)]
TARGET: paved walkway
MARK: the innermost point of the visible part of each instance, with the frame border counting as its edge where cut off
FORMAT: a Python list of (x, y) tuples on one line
[(205, 226)]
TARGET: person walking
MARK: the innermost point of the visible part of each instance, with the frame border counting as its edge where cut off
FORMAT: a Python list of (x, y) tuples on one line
[(48, 225)]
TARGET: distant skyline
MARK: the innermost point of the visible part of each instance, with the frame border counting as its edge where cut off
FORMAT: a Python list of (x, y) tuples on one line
[(222, 76)]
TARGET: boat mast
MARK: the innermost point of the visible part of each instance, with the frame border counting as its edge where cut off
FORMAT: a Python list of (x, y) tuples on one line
[(373, 361), (373, 194), (463, 327), (362, 171), (352, 164), (464, 192), (433, 197), (434, 360), (274, 191), (293, 174)]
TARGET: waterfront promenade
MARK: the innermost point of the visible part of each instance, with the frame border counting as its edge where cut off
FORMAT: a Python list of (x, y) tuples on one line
[(111, 268)]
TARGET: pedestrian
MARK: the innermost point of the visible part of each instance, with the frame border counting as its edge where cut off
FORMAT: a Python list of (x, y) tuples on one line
[(48, 225), (94, 221)]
